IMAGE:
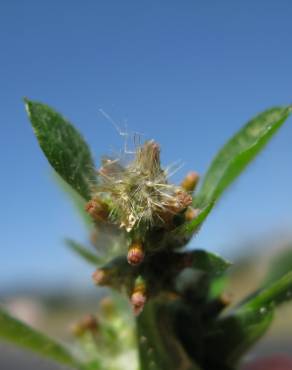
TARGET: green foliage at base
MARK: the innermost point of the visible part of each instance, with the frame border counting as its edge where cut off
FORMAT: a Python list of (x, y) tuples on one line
[(16, 332)]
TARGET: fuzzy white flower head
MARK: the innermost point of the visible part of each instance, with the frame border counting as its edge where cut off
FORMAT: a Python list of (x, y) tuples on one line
[(139, 192)]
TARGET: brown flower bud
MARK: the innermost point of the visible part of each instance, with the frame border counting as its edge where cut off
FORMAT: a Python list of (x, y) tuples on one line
[(100, 277), (190, 182), (77, 330), (191, 213), (97, 209), (90, 322), (183, 200), (138, 297), (138, 300), (178, 203), (87, 323), (107, 306), (135, 253)]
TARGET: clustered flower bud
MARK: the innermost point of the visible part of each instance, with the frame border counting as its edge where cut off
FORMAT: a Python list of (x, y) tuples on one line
[(191, 213), (183, 200), (135, 254), (139, 193), (138, 300), (190, 182), (88, 323), (107, 306), (97, 209), (100, 277), (138, 297)]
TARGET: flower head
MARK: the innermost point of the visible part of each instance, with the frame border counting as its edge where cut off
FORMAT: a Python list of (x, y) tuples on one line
[(139, 193)]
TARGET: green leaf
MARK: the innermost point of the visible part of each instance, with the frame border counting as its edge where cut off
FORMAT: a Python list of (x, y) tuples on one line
[(63, 146), (233, 336), (274, 294), (18, 333), (217, 286), (280, 265), (84, 253), (210, 263), (239, 151), (203, 270), (235, 333)]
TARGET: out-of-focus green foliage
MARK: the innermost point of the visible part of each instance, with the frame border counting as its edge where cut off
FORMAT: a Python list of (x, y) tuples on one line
[(84, 252), (15, 331)]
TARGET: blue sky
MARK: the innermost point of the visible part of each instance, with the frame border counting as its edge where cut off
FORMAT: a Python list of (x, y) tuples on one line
[(186, 73)]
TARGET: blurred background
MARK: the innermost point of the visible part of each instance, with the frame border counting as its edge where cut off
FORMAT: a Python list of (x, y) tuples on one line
[(185, 73)]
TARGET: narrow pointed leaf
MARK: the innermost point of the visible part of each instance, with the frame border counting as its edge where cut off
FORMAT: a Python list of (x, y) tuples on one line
[(84, 252), (239, 151), (274, 294), (64, 147), (280, 265), (20, 334)]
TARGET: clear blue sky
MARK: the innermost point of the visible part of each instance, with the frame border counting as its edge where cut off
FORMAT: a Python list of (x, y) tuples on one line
[(186, 73)]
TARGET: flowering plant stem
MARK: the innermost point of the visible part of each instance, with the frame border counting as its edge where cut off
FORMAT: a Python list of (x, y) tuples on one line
[(140, 224)]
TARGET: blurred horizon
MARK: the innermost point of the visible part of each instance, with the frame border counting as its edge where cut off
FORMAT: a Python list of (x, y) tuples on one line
[(186, 74)]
